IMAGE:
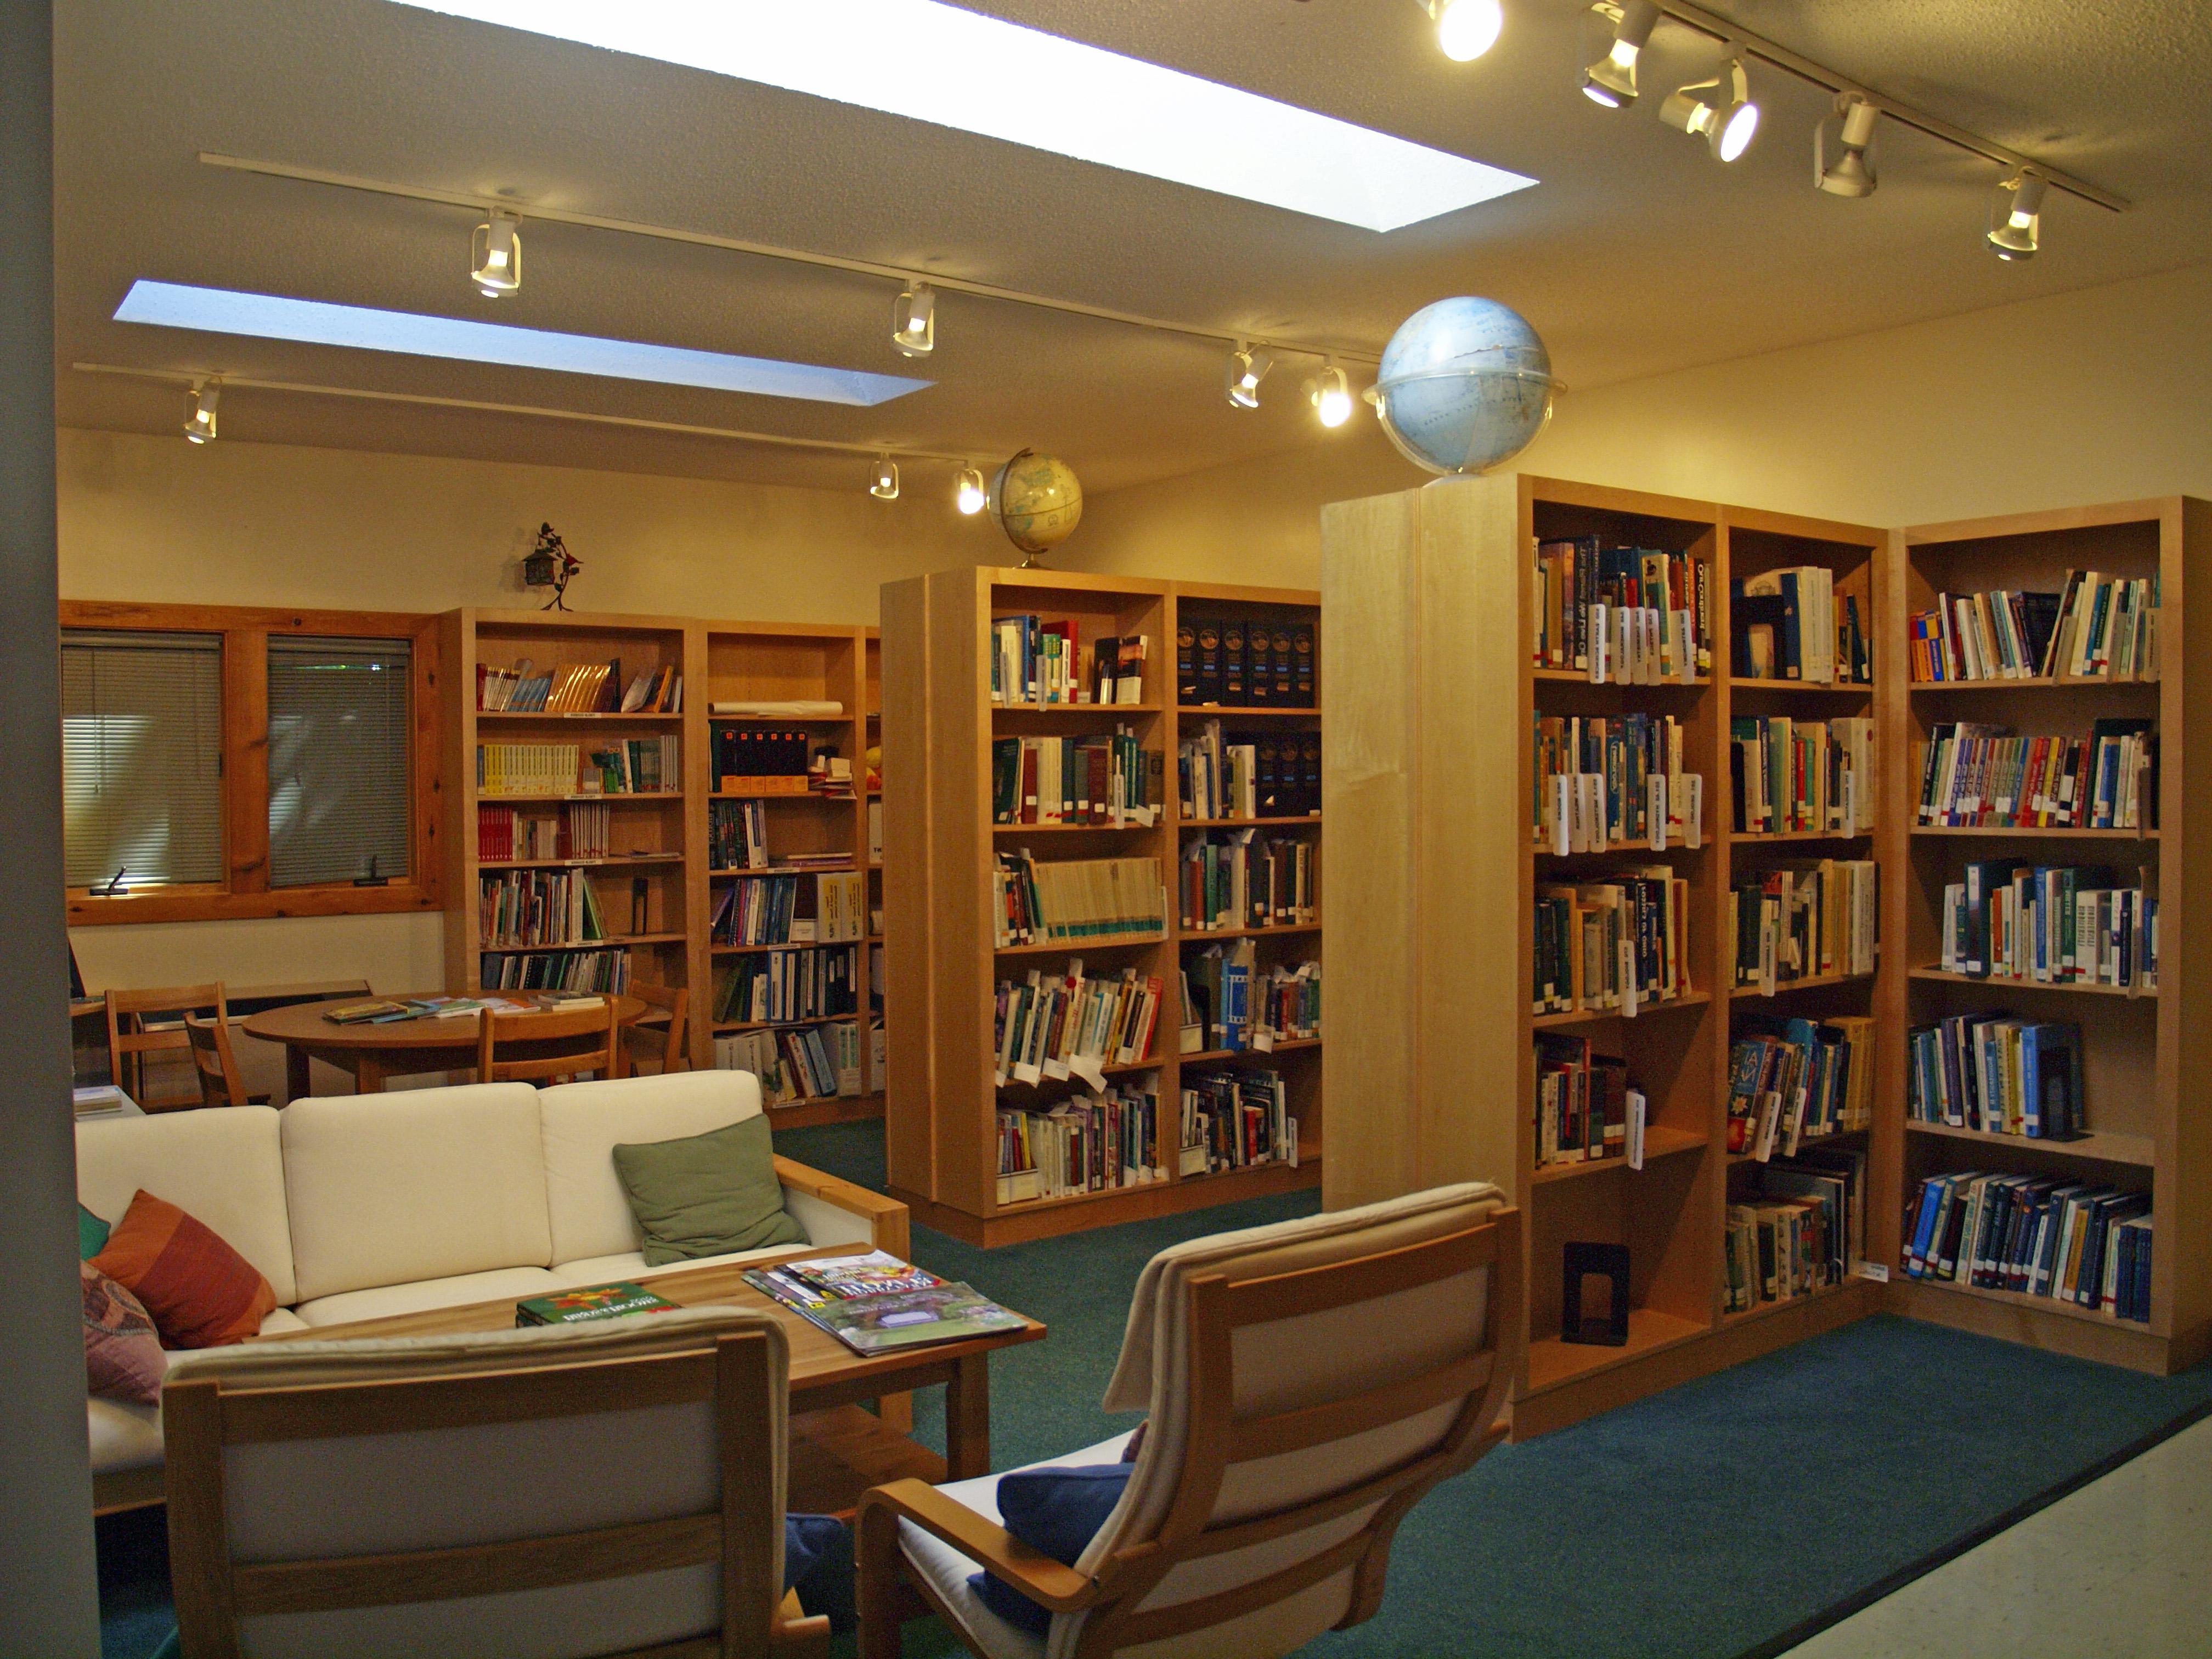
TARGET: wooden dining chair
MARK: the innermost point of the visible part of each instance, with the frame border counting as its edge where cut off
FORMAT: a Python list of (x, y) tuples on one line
[(151, 1022), (222, 1084), (664, 1043), (539, 1048)]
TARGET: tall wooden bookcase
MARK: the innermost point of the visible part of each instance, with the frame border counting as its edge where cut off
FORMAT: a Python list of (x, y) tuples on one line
[(663, 840), (941, 1127)]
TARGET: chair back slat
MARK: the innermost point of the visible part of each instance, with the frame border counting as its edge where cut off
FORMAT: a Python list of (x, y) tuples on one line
[(667, 1042), (130, 1037), (1341, 1419), (540, 1046), (221, 1083)]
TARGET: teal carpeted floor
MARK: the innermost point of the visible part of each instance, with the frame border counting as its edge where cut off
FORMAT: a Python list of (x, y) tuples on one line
[(1719, 1519)]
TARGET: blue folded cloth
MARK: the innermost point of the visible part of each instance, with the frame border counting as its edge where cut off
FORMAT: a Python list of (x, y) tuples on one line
[(1057, 1511)]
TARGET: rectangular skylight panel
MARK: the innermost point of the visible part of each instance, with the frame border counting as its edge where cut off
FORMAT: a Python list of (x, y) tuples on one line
[(958, 69), (316, 322)]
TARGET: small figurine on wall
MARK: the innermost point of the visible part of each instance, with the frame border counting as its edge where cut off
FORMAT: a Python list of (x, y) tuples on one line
[(550, 564)]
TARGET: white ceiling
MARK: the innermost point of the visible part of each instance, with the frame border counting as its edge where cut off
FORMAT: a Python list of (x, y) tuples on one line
[(1635, 254)]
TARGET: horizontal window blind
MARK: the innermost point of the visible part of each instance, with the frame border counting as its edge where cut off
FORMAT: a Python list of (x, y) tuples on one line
[(338, 759), (142, 758)]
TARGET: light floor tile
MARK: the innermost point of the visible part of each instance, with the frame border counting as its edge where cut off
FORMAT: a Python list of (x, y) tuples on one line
[(2121, 1569)]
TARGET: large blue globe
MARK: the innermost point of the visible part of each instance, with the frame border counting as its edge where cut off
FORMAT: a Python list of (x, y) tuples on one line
[(1465, 385)]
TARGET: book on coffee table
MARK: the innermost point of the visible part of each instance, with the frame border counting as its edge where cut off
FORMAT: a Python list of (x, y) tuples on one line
[(591, 1301), (876, 1303)]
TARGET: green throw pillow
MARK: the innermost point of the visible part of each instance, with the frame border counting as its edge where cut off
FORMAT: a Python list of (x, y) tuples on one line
[(91, 1234), (708, 1194)]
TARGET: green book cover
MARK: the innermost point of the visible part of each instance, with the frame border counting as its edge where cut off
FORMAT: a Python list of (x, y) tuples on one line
[(591, 1301)]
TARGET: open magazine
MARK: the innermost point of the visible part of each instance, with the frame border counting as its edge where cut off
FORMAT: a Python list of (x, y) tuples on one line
[(876, 1303)]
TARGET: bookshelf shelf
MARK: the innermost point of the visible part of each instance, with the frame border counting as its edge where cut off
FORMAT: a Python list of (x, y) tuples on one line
[(1198, 935), (2051, 1306), (613, 861), (624, 798), (613, 942), (1302, 820), (2096, 1147), (2036, 682), (1810, 983), (1283, 1046), (720, 949), (1644, 1011), (942, 1118), (1995, 832), (1762, 687), (1742, 838), (1768, 1310), (1659, 1141), (1579, 676), (727, 1025), (1554, 1364), (733, 874), (500, 716), (2000, 982)]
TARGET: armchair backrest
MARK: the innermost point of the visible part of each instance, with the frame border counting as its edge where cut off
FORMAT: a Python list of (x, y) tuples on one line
[(1308, 1384), (596, 1489)]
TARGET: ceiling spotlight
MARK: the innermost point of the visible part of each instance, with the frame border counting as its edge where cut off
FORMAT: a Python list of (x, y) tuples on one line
[(495, 255), (914, 320), (971, 496), (2016, 216), (1611, 81), (1852, 173), (1720, 110), (1247, 369), (199, 425), (1330, 393), (1465, 29), (885, 487)]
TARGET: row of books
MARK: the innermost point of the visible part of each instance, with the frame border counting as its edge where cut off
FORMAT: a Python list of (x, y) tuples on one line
[(1078, 900), (1086, 779), (1997, 1074), (1109, 1138), (767, 761), (2051, 924), (1069, 1024), (779, 986), (1250, 663), (1230, 1003), (736, 834), (1233, 879), (813, 1062), (1232, 1119), (580, 829), (1248, 775), (1796, 1081), (1613, 780), (1588, 1109), (1615, 945), (1804, 919), (2097, 627), (1785, 625), (1788, 776), (522, 909), (1286, 1007), (1581, 585), (577, 689), (1976, 776), (604, 971), (641, 766), (2034, 1236), (1797, 1227), (1036, 661), (764, 910)]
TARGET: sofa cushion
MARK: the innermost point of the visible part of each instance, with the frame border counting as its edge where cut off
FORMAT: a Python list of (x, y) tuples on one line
[(583, 1122), (382, 1301), (630, 1264), (428, 1184), (122, 1355), (91, 1234), (706, 1195), (225, 1167), (201, 1292), (128, 1437)]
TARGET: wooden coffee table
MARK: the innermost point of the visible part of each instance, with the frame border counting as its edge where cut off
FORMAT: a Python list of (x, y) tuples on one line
[(838, 1449), (373, 1053)]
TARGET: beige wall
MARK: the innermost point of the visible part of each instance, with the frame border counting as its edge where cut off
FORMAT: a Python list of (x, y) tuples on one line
[(2100, 395), (155, 518)]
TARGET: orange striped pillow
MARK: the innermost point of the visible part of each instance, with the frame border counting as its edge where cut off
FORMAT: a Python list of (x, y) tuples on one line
[(201, 1293)]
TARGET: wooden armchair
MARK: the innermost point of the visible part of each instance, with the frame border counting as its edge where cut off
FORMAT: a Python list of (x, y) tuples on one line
[(539, 1048), (1306, 1383), (664, 1043), (221, 1083), (610, 1488), (155, 1021)]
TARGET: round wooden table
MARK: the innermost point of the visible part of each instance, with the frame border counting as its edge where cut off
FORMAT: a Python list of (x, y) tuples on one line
[(373, 1053)]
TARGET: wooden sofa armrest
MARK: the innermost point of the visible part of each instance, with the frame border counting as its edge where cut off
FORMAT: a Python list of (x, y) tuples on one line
[(886, 1217), (1034, 1573)]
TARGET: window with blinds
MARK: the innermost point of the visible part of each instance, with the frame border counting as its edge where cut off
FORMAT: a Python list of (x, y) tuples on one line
[(142, 758), (338, 790)]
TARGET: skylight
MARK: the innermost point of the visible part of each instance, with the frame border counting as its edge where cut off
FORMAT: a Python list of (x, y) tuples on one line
[(316, 322), (957, 69)]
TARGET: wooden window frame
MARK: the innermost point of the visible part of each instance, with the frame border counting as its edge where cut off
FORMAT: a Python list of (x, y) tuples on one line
[(245, 893)]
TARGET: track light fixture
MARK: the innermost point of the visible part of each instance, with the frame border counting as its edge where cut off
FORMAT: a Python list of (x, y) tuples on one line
[(2016, 216), (1851, 173), (969, 496), (199, 425), (1719, 111), (1465, 29), (914, 320), (1611, 81), (1330, 393), (495, 255), (885, 487), (1247, 369)]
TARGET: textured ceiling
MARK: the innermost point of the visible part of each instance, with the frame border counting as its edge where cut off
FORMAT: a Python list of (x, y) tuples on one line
[(1635, 254)]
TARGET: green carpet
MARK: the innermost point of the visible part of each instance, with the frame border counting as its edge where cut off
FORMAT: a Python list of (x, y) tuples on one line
[(1720, 1520)]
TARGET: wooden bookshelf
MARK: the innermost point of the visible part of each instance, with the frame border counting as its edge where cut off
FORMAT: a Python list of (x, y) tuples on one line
[(2144, 1056), (665, 841), (941, 1129)]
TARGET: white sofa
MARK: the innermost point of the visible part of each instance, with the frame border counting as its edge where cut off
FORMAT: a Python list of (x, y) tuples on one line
[(358, 1206)]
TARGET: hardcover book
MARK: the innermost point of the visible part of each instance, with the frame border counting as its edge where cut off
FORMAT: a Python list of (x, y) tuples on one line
[(592, 1302)]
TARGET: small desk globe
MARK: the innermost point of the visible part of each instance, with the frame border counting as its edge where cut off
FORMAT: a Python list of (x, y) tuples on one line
[(1465, 385), (1037, 500)]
